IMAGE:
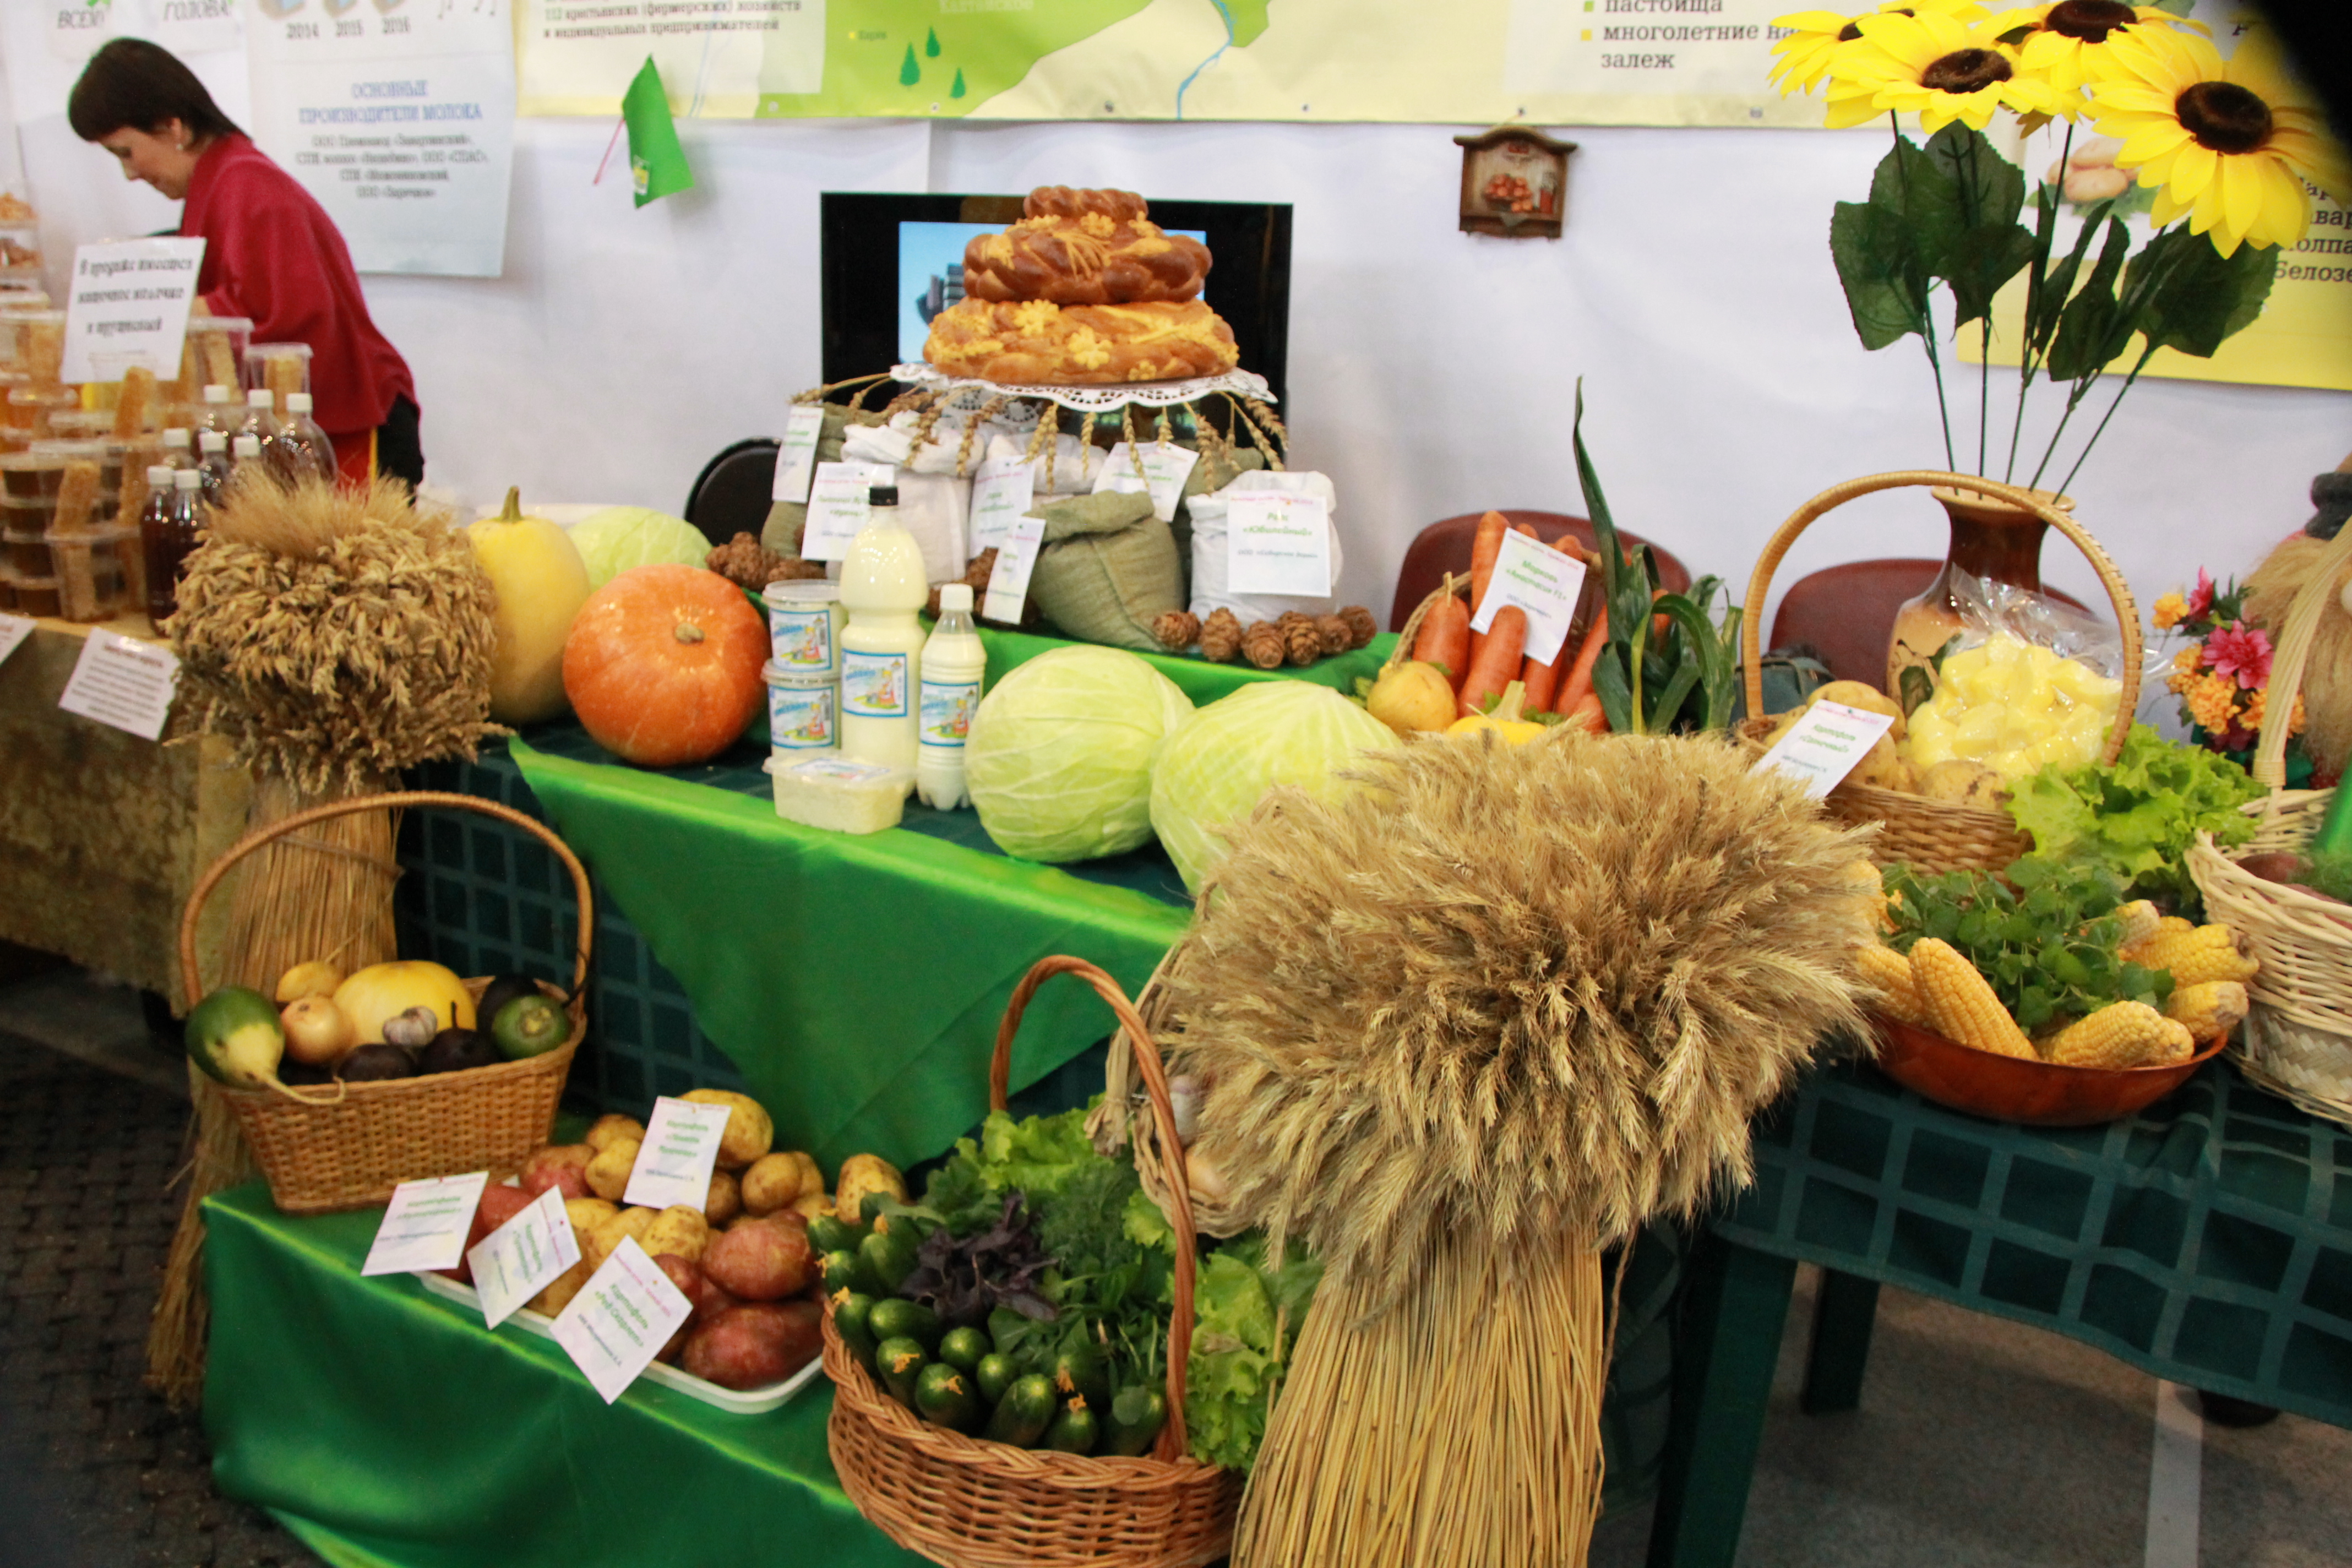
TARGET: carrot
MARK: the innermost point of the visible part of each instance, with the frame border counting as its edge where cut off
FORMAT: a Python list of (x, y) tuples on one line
[(1579, 685), (1587, 716), (1444, 638), (1541, 681), (1484, 547), (1658, 624), (1494, 665)]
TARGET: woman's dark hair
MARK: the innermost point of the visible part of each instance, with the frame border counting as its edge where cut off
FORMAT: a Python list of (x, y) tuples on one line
[(132, 82)]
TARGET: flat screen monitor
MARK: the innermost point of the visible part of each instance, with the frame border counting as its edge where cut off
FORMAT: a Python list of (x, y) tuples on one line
[(890, 263)]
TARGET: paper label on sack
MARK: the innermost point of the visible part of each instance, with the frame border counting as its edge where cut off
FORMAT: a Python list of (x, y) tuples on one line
[(838, 509), (129, 306), (1543, 582), (674, 1162), (796, 453), (1165, 469), (1008, 581), (523, 1256), (1829, 742), (124, 682), (14, 630), (1277, 542), (1001, 492), (425, 1225), (621, 1318)]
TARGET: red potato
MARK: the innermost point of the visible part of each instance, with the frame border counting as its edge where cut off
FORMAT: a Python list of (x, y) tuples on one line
[(753, 1346), (709, 1301), (689, 1280), (499, 1204), (762, 1260), (563, 1166)]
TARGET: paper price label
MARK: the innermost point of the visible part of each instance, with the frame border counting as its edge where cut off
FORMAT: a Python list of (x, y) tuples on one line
[(1543, 582), (14, 630), (1008, 581), (1277, 542), (425, 1225), (1829, 742), (1001, 494), (838, 509), (123, 682), (674, 1162), (796, 453), (621, 1318), (523, 1256), (1165, 469)]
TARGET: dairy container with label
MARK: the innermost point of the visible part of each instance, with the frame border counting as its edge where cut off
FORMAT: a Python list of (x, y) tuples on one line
[(954, 663), (804, 628), (802, 711), (883, 584)]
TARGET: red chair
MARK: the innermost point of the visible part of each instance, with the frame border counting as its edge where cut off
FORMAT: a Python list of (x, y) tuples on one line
[(1847, 611), (1444, 546)]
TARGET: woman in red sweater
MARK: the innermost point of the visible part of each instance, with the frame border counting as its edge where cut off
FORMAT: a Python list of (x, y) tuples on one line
[(270, 250)]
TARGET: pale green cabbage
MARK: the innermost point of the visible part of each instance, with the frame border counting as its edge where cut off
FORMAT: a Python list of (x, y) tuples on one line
[(619, 537), (1216, 767), (1059, 757)]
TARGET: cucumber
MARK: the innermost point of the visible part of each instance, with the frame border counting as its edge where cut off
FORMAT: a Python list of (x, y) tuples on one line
[(994, 1376), (964, 1348), (944, 1397), (1024, 1413), (831, 1233), (901, 1363), (886, 1258), (1082, 1371), (898, 1318), (840, 1271), (1074, 1430), (850, 1315), (1137, 1414)]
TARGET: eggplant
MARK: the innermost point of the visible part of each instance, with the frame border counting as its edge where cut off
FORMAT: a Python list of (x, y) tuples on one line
[(455, 1050), (377, 1063)]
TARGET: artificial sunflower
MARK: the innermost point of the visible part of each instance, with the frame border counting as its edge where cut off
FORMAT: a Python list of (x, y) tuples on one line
[(2061, 39), (1935, 64), (2222, 140), (1814, 36)]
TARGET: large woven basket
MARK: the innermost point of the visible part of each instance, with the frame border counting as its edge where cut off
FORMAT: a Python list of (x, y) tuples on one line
[(348, 1147), (2297, 1040), (1931, 836), (1125, 1112), (969, 1503)]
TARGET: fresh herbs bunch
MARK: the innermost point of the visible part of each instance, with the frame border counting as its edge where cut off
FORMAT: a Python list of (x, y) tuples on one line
[(963, 1279), (2048, 945)]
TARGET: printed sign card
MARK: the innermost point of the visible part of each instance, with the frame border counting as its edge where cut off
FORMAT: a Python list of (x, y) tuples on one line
[(796, 454), (1165, 469), (523, 1256), (838, 509), (425, 1224), (1001, 492), (129, 306), (621, 1318), (1008, 581), (14, 630), (1543, 582), (1829, 742), (673, 1164), (1277, 542), (123, 682)]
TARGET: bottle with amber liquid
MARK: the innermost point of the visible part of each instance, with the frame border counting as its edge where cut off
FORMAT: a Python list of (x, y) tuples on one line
[(167, 531)]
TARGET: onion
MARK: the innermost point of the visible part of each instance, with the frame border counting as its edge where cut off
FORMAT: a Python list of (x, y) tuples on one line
[(316, 1032)]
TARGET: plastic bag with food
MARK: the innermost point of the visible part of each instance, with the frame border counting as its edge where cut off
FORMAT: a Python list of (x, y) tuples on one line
[(2027, 682)]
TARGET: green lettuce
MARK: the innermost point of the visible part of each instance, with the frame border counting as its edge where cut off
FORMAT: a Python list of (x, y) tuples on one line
[(1040, 1157), (2138, 817), (1247, 1315)]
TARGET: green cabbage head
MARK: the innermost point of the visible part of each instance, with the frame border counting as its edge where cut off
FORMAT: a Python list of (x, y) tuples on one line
[(619, 537), (1059, 757), (1228, 754)]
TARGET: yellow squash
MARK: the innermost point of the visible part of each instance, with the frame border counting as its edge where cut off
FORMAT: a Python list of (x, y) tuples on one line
[(383, 990), (541, 583), (1504, 720)]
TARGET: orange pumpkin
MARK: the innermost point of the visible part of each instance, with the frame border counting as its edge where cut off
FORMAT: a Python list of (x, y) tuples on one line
[(662, 665)]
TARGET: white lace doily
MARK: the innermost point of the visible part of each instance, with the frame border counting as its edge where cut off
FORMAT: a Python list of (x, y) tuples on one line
[(1094, 399)]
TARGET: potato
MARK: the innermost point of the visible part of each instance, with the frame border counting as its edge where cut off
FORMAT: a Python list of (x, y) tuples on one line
[(808, 1205), (753, 1346), (563, 1166), (863, 1176), (608, 1173), (751, 1130), (1884, 768), (612, 1128), (499, 1204), (560, 1291), (1960, 782), (1862, 695), (772, 1183), (725, 1199), (587, 1214), (606, 1238), (811, 1175), (761, 1260), (683, 1274), (709, 1299), (677, 1229)]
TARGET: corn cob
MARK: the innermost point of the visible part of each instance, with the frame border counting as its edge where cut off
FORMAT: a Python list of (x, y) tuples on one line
[(2121, 1035), (2194, 957), (2168, 925), (2210, 1008), (2140, 921), (1960, 1004), (1888, 973)]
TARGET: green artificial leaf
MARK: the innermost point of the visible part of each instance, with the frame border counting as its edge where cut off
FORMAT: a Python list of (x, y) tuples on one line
[(2049, 299), (1918, 190), (1982, 262), (2093, 329), (2194, 299), (1880, 266), (1917, 686), (1988, 247)]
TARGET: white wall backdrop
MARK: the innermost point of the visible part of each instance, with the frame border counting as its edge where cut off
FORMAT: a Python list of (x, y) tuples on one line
[(1431, 371)]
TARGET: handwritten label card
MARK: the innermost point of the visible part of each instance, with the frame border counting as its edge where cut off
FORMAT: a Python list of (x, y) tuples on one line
[(124, 682), (1277, 542), (1001, 492), (838, 509), (1008, 581), (1829, 742), (673, 1164), (796, 454), (425, 1224), (14, 630), (128, 306), (1165, 469), (523, 1256), (1543, 582), (621, 1318)]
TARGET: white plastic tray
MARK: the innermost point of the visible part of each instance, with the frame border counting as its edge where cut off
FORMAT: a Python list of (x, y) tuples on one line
[(745, 1402)]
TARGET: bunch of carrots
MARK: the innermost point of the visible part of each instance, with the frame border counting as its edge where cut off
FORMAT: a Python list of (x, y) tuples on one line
[(1483, 663)]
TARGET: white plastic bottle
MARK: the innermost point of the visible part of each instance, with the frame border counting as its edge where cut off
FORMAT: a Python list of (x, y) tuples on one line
[(954, 663), (883, 584)]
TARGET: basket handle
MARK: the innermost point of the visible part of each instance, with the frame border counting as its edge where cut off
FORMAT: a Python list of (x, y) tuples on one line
[(1172, 1443), (2293, 651), (294, 822), (1759, 582)]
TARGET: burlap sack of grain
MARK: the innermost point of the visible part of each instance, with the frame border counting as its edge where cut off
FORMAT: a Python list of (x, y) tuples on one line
[(1106, 570)]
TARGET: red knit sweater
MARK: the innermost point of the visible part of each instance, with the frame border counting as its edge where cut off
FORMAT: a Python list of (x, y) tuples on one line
[(272, 253)]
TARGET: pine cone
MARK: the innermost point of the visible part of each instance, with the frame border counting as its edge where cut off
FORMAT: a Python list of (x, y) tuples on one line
[(1335, 635), (1362, 628), (1261, 645), (1302, 640), (1177, 630), (1221, 636)]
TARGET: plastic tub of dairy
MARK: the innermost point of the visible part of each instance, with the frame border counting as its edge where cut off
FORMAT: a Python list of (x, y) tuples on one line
[(839, 795), (803, 712), (804, 628)]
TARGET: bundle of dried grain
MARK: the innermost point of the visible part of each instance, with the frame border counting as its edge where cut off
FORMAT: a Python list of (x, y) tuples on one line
[(1460, 1029)]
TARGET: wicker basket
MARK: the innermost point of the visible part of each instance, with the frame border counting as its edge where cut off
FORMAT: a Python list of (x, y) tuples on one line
[(2297, 1041), (349, 1148), (1932, 836), (969, 1503), (1125, 1114)]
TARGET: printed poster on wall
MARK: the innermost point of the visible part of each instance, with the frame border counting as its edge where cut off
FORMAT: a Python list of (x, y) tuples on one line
[(399, 118)]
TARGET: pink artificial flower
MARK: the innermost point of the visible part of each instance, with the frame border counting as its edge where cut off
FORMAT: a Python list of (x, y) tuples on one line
[(2235, 651), (2200, 603)]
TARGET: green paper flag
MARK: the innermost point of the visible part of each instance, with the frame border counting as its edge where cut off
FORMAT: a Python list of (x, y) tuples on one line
[(656, 162)]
